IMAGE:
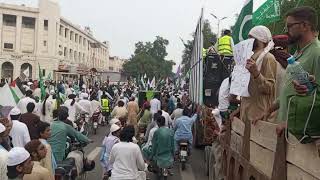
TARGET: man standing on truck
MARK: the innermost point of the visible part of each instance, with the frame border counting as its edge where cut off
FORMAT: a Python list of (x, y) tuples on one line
[(302, 27), (263, 72), (225, 44)]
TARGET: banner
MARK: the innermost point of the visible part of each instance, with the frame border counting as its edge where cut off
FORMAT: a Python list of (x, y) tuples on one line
[(240, 75), (7, 98), (196, 72), (267, 13), (244, 23)]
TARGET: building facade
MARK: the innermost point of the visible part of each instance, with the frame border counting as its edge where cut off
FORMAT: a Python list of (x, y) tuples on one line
[(33, 37), (116, 64)]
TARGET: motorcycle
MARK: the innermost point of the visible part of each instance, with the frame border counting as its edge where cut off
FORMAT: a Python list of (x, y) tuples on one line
[(94, 120), (183, 153), (141, 135), (162, 173), (75, 165), (82, 123)]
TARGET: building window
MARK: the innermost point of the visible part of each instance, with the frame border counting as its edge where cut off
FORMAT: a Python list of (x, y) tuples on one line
[(28, 22), (71, 54), (66, 31), (75, 55), (84, 42), (8, 45), (43, 72), (60, 30), (65, 52), (45, 25), (71, 35), (44, 43), (76, 38), (111, 68), (9, 20), (80, 39)]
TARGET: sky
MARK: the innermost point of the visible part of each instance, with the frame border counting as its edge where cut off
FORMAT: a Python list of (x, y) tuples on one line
[(125, 22)]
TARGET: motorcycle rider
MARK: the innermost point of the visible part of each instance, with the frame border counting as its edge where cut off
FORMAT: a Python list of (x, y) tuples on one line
[(163, 145), (126, 157), (73, 108), (183, 127), (59, 133), (105, 103), (96, 109), (86, 104)]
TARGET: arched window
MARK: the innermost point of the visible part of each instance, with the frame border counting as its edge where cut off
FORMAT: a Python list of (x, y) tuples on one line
[(7, 71)]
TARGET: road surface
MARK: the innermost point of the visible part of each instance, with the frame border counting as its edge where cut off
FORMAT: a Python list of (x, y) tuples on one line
[(194, 168)]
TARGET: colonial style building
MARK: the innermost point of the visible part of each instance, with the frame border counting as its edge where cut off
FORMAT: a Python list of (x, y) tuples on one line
[(116, 64), (33, 37)]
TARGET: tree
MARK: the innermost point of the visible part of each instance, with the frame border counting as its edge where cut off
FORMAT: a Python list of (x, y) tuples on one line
[(285, 7), (149, 58), (208, 36)]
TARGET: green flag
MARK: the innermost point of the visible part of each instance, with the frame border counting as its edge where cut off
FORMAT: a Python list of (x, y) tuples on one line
[(244, 22), (43, 91), (267, 13), (49, 76), (14, 95)]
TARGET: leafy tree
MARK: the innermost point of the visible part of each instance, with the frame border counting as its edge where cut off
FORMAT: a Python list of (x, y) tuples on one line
[(149, 58), (208, 36), (285, 7)]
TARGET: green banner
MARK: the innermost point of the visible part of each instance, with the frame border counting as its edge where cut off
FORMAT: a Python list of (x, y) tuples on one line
[(267, 13), (244, 23), (149, 95)]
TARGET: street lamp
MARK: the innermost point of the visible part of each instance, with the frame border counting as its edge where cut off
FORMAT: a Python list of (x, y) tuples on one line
[(219, 21)]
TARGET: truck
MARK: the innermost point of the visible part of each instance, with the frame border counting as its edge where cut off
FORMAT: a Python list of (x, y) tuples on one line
[(243, 151), (205, 77)]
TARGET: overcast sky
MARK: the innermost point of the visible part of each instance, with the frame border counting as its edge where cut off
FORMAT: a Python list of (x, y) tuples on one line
[(125, 22)]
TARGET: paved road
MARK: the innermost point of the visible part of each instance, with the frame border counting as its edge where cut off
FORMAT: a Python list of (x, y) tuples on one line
[(194, 168)]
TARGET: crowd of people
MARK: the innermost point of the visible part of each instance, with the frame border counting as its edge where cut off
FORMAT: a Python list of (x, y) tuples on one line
[(161, 122), (34, 134)]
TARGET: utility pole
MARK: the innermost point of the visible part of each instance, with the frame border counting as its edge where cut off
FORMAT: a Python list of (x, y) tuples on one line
[(219, 21)]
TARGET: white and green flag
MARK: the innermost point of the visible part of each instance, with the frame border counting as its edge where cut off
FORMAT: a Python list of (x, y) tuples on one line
[(244, 23), (267, 13)]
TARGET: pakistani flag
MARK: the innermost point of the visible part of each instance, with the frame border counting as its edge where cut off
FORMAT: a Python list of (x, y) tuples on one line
[(244, 23), (267, 13), (41, 85), (142, 82), (14, 95)]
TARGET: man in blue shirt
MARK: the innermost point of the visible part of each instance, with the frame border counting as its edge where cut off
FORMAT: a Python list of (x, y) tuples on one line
[(183, 127)]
